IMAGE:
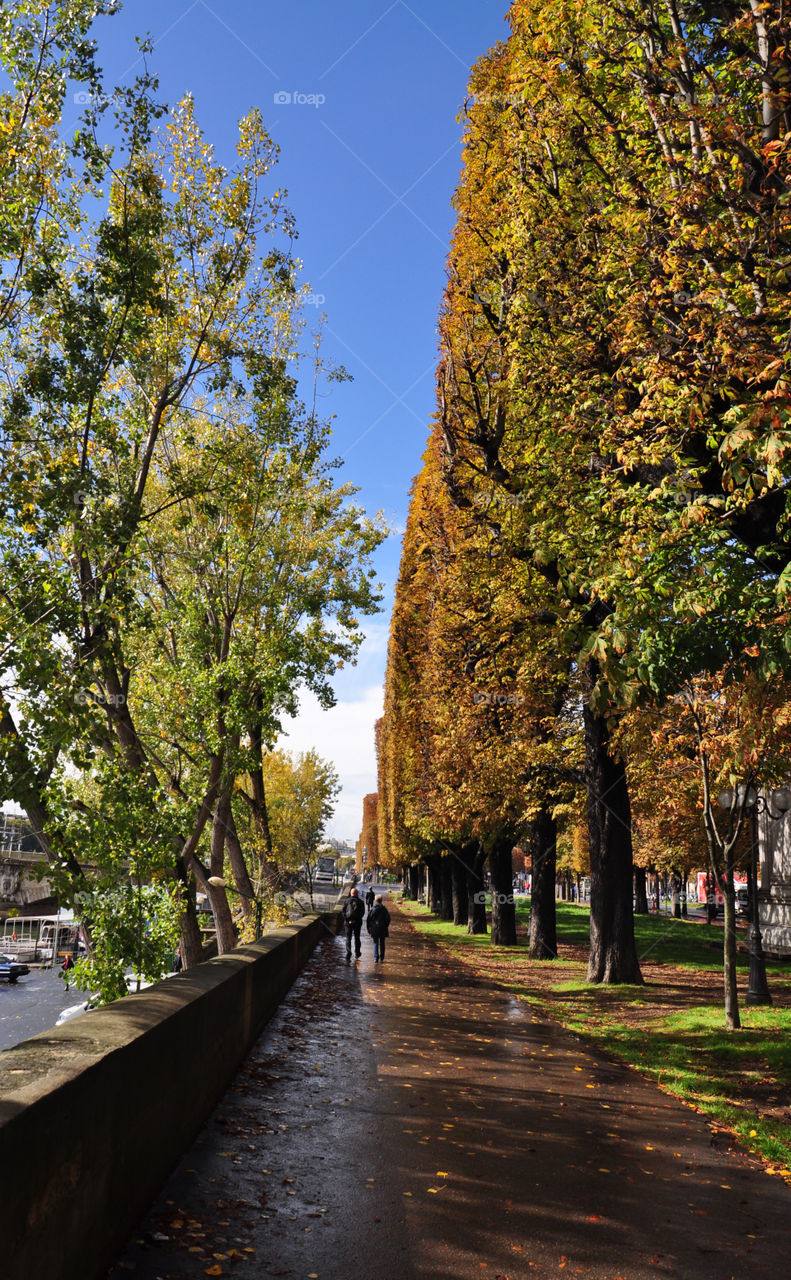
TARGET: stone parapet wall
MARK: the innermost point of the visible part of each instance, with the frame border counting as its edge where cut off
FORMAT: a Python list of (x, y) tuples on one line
[(95, 1114)]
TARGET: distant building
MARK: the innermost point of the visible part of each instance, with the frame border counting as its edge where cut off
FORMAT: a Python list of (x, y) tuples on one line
[(20, 853), (16, 835), (344, 848)]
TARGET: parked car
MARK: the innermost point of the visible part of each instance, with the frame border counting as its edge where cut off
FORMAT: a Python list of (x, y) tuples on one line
[(11, 969), (94, 1001), (74, 1010)]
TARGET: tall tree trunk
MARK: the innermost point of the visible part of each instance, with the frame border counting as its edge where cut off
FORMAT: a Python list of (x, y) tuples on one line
[(503, 909), (191, 944), (613, 954), (711, 899), (461, 909), (542, 932), (434, 885), (189, 866), (405, 884), (223, 920), (675, 892), (241, 876), (269, 870), (732, 1018), (473, 858), (415, 881), (640, 892), (218, 898), (470, 859), (445, 888)]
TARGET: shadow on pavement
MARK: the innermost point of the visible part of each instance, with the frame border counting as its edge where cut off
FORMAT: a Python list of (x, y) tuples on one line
[(408, 1121)]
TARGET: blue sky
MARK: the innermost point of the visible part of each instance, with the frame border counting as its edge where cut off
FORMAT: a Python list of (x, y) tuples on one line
[(370, 165)]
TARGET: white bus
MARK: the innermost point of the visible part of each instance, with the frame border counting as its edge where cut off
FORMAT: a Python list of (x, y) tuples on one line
[(325, 870)]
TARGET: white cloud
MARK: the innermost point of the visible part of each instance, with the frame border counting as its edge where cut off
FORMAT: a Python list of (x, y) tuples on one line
[(345, 736)]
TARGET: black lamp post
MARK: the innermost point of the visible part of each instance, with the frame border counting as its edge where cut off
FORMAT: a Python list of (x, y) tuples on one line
[(219, 883), (758, 989)]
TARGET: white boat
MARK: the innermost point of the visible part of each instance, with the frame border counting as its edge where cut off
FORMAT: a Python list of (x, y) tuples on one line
[(39, 939)]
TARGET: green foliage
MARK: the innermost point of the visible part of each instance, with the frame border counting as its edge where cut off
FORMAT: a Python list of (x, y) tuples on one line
[(176, 559), (133, 926), (122, 842)]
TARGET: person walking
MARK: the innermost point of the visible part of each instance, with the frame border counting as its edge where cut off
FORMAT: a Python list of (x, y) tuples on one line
[(370, 897), (353, 913), (379, 928)]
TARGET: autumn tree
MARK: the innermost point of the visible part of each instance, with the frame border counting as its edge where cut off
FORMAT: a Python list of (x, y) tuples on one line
[(254, 585), (302, 789), (610, 371), (44, 48), (178, 304), (370, 831), (473, 726), (488, 476), (723, 737)]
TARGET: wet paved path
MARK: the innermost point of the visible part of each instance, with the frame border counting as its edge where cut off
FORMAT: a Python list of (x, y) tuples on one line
[(405, 1122)]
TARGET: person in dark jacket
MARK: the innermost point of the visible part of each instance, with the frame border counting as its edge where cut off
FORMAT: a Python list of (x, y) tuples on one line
[(369, 897), (379, 928), (353, 913)]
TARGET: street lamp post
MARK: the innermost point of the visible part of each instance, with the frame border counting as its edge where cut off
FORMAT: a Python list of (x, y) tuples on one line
[(219, 883), (758, 989)]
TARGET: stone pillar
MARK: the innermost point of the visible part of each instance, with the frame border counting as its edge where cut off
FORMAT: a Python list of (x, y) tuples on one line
[(774, 894)]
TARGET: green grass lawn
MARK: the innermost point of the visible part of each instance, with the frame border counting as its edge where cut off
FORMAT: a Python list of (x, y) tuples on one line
[(740, 1080), (660, 939), (727, 1075)]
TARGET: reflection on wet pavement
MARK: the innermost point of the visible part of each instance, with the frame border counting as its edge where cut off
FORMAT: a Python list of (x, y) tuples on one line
[(407, 1120)]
